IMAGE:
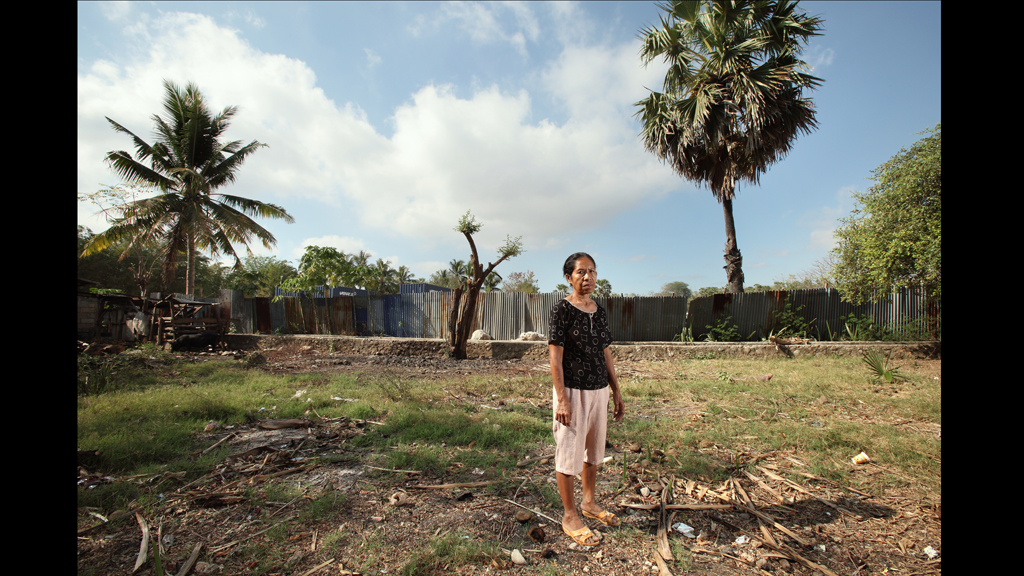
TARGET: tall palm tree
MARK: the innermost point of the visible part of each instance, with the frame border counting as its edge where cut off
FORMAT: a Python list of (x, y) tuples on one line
[(732, 101), (383, 278), (492, 282), (362, 258), (460, 270), (405, 276), (188, 163)]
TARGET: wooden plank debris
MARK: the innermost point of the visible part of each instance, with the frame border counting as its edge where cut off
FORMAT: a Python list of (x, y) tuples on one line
[(144, 546)]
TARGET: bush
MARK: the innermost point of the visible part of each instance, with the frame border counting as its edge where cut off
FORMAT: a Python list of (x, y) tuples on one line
[(791, 323), (724, 331)]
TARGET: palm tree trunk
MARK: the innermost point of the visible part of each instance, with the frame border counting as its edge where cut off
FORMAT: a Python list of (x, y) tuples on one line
[(190, 273), (733, 259)]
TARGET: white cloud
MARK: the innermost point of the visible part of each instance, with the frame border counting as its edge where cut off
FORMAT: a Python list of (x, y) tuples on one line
[(253, 20), (823, 221), (115, 11), (484, 23), (819, 57), (448, 153), (372, 58)]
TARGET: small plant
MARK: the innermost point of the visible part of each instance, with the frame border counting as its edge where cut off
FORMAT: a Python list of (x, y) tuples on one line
[(881, 369), (685, 336), (861, 328), (724, 331), (392, 387), (792, 323)]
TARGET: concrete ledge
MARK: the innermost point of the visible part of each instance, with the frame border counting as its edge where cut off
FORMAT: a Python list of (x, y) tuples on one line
[(512, 350)]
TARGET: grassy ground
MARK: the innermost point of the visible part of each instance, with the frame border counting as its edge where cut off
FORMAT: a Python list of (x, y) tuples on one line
[(698, 419)]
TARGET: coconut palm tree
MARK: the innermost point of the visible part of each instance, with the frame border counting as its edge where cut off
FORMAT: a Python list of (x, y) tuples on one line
[(461, 270), (405, 276), (188, 163), (492, 282), (732, 102), (383, 278)]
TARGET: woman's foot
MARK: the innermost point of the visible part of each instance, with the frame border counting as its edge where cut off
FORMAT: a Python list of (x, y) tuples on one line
[(604, 517), (576, 529)]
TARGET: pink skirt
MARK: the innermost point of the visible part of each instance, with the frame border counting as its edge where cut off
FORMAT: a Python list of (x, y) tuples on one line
[(583, 440)]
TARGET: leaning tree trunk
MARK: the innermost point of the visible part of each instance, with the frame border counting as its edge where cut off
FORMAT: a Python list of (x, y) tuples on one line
[(454, 325), (733, 259), (461, 319)]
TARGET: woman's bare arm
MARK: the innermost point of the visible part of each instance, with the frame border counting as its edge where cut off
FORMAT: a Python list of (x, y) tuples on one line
[(613, 381), (563, 412)]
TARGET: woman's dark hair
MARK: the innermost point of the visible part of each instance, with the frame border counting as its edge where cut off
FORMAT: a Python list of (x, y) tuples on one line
[(570, 262)]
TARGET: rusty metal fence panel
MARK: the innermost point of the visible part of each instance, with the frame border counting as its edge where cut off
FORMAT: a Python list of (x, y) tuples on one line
[(754, 313)]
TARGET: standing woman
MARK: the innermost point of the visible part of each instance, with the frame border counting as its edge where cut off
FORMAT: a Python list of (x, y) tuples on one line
[(582, 370)]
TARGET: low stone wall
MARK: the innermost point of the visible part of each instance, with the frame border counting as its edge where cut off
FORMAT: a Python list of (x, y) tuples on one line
[(510, 350)]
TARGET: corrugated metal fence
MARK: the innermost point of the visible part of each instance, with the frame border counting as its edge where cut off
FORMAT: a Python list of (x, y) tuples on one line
[(506, 315), (754, 313), (503, 315)]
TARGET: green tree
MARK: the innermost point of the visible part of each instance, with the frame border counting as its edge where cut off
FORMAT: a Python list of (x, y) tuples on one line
[(259, 276), (464, 299), (679, 288), (325, 266), (121, 274), (444, 279), (140, 252), (492, 282), (561, 288), (709, 291), (188, 163), (405, 276), (894, 236), (602, 288), (382, 278), (460, 269), (732, 101)]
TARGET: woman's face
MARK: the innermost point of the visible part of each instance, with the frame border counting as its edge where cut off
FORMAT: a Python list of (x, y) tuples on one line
[(584, 276)]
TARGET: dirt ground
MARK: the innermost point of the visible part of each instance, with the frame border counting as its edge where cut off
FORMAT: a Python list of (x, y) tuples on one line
[(755, 524)]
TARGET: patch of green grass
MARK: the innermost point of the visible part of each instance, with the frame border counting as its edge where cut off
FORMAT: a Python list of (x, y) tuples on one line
[(446, 552), (825, 410)]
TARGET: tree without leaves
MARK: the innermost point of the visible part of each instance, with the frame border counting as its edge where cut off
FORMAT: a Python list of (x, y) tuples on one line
[(894, 237), (188, 163), (732, 100), (464, 300), (113, 202), (521, 282)]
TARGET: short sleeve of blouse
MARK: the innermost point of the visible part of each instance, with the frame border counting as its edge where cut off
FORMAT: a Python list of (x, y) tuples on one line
[(557, 323)]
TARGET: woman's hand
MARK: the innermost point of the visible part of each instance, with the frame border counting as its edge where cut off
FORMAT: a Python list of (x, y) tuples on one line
[(620, 406), (563, 414)]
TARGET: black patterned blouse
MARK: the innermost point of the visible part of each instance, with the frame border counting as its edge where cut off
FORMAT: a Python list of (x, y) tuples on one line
[(583, 337)]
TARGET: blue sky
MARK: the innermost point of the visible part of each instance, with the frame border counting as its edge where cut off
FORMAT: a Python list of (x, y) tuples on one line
[(386, 121)]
